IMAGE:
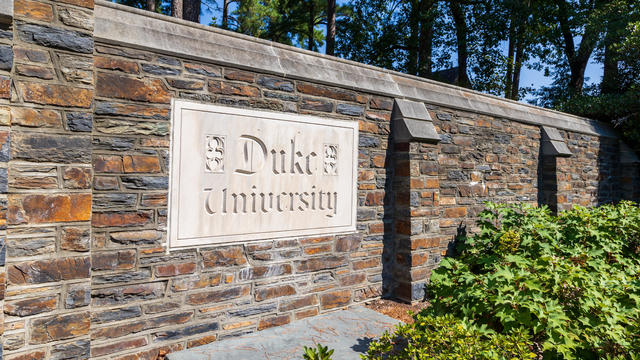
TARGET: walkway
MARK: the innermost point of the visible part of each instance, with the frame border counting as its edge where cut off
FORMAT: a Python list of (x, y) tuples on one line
[(347, 331)]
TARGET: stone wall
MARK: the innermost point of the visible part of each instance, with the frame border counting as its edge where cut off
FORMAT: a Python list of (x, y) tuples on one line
[(87, 114)]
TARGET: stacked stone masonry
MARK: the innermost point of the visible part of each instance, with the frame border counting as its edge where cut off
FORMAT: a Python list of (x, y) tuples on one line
[(84, 168)]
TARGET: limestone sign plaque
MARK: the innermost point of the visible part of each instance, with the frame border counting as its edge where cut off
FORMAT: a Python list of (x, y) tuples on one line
[(239, 175)]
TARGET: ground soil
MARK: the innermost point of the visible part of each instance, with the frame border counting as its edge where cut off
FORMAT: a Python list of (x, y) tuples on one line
[(396, 310)]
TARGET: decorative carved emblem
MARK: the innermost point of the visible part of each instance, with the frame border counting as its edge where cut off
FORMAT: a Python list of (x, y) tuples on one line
[(330, 159), (214, 153)]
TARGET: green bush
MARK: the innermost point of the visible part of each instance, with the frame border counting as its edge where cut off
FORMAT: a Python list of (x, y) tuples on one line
[(571, 282), (444, 338), (318, 353)]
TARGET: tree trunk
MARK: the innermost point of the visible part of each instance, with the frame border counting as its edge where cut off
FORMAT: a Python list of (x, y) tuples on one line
[(311, 24), (510, 58), (579, 59), (519, 59), (459, 20), (610, 76), (414, 34), (191, 10), (425, 49), (176, 8), (151, 5), (225, 14), (331, 27)]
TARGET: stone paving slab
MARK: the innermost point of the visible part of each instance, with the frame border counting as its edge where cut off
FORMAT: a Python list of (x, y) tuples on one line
[(347, 331)]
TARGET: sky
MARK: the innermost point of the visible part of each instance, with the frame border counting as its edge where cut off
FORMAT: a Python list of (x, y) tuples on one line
[(528, 77)]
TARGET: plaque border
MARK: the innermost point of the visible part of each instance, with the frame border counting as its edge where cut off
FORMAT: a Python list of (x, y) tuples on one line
[(173, 243)]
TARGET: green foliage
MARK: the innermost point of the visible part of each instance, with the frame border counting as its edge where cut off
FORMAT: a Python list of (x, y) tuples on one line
[(571, 282), (318, 353), (444, 338)]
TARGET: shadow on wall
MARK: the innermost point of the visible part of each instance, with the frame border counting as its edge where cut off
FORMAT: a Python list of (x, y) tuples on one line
[(389, 238)]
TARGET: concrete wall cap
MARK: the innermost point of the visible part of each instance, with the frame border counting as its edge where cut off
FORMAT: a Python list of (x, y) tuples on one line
[(553, 144), (6, 10), (122, 25), (410, 109), (552, 133), (412, 122)]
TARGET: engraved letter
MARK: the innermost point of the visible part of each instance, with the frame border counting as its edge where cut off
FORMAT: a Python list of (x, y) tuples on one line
[(254, 154)]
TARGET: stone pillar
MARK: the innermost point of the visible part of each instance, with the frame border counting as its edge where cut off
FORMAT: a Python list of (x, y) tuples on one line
[(550, 180), (49, 202), (416, 189), (6, 62)]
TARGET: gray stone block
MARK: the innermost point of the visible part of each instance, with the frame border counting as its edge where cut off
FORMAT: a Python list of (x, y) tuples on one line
[(80, 121), (6, 57), (350, 109), (56, 38)]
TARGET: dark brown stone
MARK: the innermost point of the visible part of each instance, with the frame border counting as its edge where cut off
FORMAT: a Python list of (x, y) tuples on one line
[(226, 256), (335, 299), (153, 200), (117, 347), (316, 105), (28, 307), (186, 84), (38, 209), (107, 164), (40, 72), (59, 327), (323, 91), (32, 55), (220, 87), (43, 271), (55, 94), (239, 75), (33, 10), (123, 87), (274, 292), (175, 269), (272, 321), (83, 3), (320, 263), (5, 87), (77, 178), (141, 164), (113, 260), (32, 355), (381, 104), (352, 279), (105, 183), (109, 63), (348, 243), (121, 218), (128, 293), (75, 239), (215, 296)]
